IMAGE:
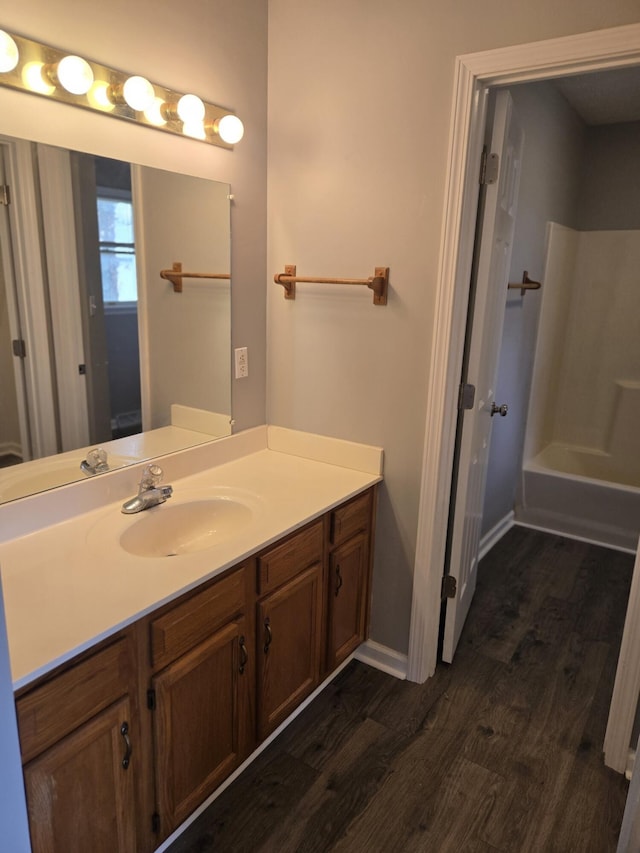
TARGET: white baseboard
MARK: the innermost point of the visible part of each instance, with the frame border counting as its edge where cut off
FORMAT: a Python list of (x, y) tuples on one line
[(493, 536), (561, 530), (383, 658)]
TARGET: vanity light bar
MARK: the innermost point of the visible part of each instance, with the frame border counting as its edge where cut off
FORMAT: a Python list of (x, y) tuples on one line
[(44, 70)]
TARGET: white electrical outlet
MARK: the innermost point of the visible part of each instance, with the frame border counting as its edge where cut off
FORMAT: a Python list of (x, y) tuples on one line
[(242, 362)]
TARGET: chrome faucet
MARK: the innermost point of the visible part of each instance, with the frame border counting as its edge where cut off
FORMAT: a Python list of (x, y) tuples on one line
[(150, 492), (95, 463)]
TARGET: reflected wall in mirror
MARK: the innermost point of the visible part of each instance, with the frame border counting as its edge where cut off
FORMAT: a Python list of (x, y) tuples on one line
[(96, 349)]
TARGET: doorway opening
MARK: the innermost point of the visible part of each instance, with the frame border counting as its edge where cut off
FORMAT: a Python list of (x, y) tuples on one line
[(475, 73), (570, 343)]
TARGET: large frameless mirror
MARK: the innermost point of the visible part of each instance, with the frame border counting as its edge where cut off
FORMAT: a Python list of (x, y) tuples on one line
[(97, 348)]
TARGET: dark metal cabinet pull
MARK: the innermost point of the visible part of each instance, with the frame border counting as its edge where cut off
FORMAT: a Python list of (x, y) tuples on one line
[(244, 654), (269, 635), (124, 731), (339, 580)]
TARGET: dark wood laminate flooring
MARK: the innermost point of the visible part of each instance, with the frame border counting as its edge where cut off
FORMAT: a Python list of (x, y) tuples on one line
[(501, 751)]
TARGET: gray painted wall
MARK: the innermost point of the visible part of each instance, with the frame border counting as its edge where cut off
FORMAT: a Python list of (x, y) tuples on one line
[(360, 98), (610, 192)]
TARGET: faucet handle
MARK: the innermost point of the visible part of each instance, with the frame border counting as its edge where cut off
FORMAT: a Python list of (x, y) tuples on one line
[(151, 476), (96, 461), (97, 457)]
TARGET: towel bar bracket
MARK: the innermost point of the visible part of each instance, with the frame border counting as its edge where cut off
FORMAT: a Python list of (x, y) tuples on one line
[(525, 284), (289, 282), (175, 276)]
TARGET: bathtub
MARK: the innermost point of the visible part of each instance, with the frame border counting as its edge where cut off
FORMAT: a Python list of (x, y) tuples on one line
[(567, 490)]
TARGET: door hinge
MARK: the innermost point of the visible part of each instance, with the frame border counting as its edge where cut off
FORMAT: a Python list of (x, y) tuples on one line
[(489, 168), (466, 396), (151, 699), (155, 823), (449, 587), (19, 348), (5, 195)]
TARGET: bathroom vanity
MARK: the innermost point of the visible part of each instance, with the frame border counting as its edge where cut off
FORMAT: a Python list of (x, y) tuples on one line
[(148, 666)]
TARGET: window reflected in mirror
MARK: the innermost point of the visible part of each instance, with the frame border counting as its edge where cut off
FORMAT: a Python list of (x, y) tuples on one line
[(116, 245)]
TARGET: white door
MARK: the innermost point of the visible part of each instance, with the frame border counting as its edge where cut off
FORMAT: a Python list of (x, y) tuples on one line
[(483, 349)]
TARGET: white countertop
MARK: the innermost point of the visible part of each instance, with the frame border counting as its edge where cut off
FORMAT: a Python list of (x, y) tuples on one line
[(71, 584)]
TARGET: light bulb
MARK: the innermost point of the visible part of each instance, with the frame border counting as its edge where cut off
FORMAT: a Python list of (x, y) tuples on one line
[(9, 54), (190, 109), (74, 74), (34, 78), (194, 129), (153, 113), (98, 96), (230, 129), (138, 93)]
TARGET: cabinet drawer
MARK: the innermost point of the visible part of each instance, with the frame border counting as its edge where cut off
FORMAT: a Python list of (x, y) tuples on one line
[(62, 704), (350, 518), (283, 562), (189, 623)]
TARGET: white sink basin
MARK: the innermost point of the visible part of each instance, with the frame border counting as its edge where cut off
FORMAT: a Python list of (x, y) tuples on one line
[(169, 530)]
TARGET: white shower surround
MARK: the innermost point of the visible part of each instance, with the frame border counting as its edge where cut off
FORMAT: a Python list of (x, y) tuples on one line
[(576, 505), (581, 472)]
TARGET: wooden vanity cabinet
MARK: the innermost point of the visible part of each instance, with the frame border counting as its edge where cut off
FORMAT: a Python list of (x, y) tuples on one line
[(120, 745), (200, 695), (288, 626), (350, 550), (80, 738)]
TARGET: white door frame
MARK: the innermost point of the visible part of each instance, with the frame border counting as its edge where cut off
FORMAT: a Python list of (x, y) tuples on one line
[(595, 51), (143, 276)]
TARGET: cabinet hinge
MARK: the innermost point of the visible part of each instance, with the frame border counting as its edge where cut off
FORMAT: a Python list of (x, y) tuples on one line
[(466, 396), (5, 195), (151, 699), (449, 587), (489, 168), (19, 348), (155, 823)]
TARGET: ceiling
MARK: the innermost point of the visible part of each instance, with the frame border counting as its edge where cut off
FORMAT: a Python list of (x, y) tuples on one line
[(605, 97)]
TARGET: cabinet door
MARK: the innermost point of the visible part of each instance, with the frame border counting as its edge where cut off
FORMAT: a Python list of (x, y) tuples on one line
[(80, 792), (347, 598), (196, 722), (288, 653)]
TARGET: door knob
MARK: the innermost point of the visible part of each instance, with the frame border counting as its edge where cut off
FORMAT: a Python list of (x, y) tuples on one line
[(499, 410)]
